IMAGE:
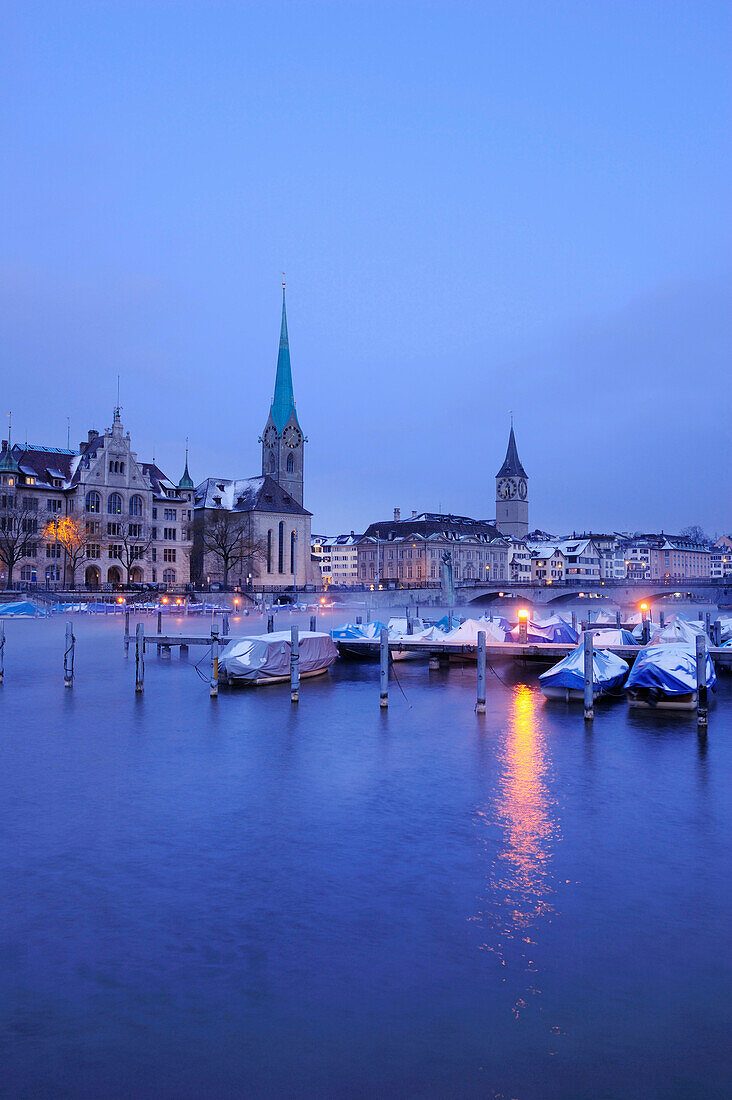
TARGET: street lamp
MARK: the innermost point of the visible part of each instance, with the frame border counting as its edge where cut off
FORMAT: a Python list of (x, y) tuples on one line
[(294, 562)]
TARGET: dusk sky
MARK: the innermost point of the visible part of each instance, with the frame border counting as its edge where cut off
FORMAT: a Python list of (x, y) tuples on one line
[(479, 207)]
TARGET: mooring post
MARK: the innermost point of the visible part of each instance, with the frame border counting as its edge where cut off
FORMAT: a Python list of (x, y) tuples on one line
[(160, 622), (701, 616), (617, 619), (480, 704), (574, 620), (225, 625), (359, 620), (717, 632), (384, 668), (127, 633), (69, 656), (589, 677), (646, 635), (701, 681), (139, 657), (294, 665), (661, 619), (2, 652), (368, 616), (313, 624), (270, 624), (214, 662), (589, 618), (584, 624), (708, 621)]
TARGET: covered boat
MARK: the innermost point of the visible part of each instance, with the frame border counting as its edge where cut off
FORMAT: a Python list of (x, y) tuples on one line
[(566, 680), (678, 630), (665, 676), (547, 630), (609, 638), (265, 658), (23, 609)]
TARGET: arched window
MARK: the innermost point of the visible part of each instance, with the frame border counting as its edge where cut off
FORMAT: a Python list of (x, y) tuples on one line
[(269, 551), (168, 576), (135, 506), (281, 549), (93, 502), (290, 464), (293, 538), (272, 464), (114, 504)]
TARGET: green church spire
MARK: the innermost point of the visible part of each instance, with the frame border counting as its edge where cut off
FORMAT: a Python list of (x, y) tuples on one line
[(283, 402)]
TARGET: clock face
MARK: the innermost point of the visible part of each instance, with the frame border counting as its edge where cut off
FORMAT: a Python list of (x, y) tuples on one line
[(506, 488), (292, 436), (522, 488), (270, 436)]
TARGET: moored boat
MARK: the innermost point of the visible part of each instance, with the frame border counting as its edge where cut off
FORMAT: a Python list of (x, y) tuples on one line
[(265, 658), (664, 676), (566, 680)]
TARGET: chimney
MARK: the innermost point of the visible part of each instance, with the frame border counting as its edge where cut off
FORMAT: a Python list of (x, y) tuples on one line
[(92, 434), (414, 513), (397, 514)]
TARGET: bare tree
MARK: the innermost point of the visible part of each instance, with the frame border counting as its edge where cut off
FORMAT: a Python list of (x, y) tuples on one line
[(18, 531), (134, 540), (696, 534), (72, 535), (227, 536)]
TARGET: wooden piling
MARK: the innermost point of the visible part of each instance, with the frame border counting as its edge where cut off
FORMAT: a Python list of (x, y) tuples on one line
[(717, 632), (618, 620), (225, 625), (708, 622), (384, 668), (127, 633), (160, 622), (574, 620), (69, 656), (2, 652), (480, 703), (661, 619), (270, 624), (589, 677), (701, 682), (214, 691), (139, 657), (313, 624), (294, 665)]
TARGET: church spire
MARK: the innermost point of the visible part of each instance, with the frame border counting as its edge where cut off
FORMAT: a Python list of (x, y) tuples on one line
[(186, 482), (512, 463), (283, 402)]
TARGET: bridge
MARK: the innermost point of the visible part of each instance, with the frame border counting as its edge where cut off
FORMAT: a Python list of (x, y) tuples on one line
[(623, 592)]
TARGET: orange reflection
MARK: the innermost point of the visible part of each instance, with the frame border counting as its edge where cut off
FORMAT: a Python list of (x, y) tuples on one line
[(521, 881)]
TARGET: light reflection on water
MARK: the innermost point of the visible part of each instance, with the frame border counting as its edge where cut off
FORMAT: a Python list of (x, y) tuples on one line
[(520, 881)]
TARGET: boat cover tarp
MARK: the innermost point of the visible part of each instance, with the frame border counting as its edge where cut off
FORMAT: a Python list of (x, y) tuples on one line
[(445, 623), (608, 638), (603, 617), (467, 632), (653, 628), (678, 630), (670, 669), (545, 632), (608, 671), (24, 609), (725, 626), (499, 620), (268, 655), (356, 631), (398, 627)]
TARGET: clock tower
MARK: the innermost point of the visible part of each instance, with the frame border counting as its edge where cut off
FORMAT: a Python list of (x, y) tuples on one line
[(283, 441), (512, 494)]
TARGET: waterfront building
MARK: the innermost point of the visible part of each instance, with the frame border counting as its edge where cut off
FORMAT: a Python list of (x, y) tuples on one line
[(337, 559), (407, 553), (565, 560), (512, 493), (665, 557), (96, 516), (519, 561), (720, 560), (255, 531)]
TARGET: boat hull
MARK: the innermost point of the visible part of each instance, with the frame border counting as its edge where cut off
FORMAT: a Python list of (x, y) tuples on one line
[(640, 699), (259, 681)]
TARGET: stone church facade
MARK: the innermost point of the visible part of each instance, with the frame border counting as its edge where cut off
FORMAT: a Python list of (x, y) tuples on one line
[(267, 510)]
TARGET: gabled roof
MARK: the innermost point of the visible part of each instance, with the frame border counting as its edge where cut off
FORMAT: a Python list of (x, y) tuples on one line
[(45, 465), (432, 523), (248, 494), (512, 463)]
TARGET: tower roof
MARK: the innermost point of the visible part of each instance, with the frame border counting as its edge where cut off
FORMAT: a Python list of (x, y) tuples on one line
[(512, 463), (186, 482), (283, 402), (8, 464)]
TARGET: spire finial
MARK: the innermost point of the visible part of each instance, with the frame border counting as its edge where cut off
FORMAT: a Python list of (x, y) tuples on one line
[(10, 430), (283, 282)]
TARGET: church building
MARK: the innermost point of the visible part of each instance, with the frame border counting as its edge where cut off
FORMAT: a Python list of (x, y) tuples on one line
[(512, 493), (254, 532)]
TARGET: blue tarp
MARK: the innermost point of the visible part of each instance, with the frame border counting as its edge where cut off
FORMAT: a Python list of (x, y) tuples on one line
[(608, 671), (24, 609), (546, 632), (670, 669), (356, 631)]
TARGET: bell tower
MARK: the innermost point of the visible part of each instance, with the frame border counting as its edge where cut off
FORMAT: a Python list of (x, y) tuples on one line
[(283, 441), (512, 493)]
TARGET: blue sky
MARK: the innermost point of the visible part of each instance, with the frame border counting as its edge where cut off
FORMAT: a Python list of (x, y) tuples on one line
[(480, 208)]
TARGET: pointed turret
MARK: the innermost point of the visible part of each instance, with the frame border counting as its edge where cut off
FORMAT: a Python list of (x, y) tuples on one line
[(283, 402), (186, 482), (8, 465), (512, 463)]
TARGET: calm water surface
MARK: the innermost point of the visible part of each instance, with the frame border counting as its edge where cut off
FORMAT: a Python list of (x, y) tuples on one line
[(242, 898)]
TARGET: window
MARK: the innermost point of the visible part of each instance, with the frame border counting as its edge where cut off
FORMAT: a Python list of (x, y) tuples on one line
[(170, 513), (154, 531), (293, 539), (269, 551), (53, 573), (116, 467), (281, 548), (93, 502), (53, 550), (135, 506), (135, 530), (114, 504), (168, 576), (93, 527), (53, 505), (169, 533), (93, 550), (290, 464), (154, 555), (154, 513), (168, 554), (27, 573), (114, 529), (115, 551)]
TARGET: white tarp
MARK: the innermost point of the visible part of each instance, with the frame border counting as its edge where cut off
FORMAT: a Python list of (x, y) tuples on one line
[(607, 638), (678, 630), (467, 632), (266, 656)]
